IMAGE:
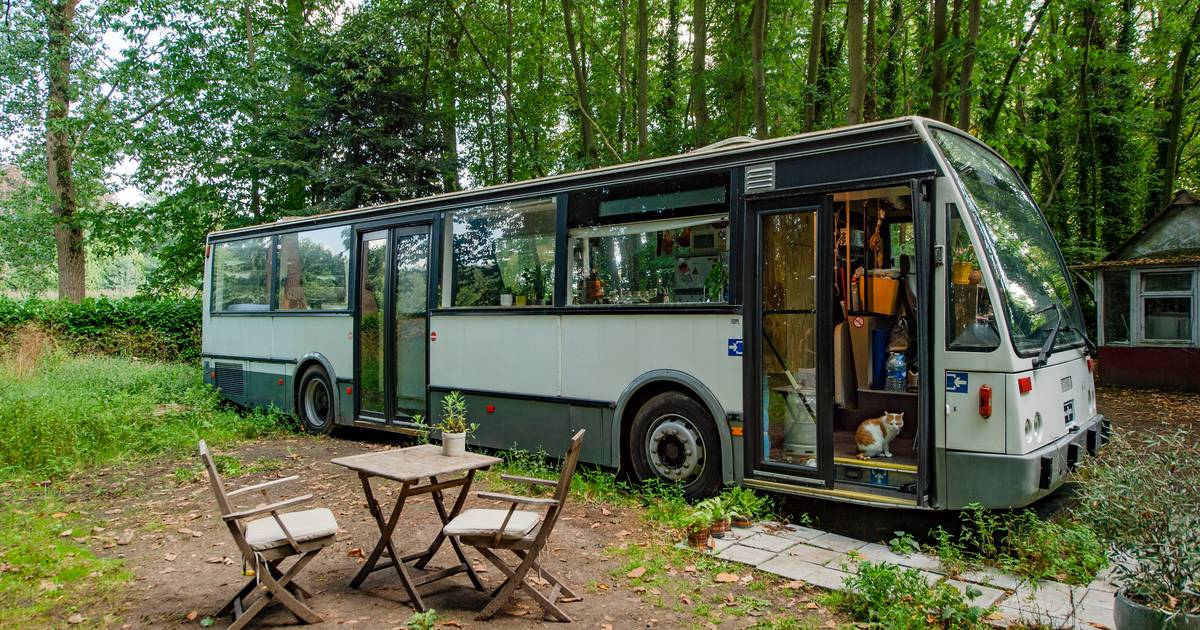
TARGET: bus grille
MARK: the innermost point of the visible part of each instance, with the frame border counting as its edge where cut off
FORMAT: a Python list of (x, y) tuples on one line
[(230, 379)]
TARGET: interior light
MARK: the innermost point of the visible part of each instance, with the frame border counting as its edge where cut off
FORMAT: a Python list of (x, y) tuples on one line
[(985, 401), (1025, 384)]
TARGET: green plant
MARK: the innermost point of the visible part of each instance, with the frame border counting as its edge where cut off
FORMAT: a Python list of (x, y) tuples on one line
[(699, 518), (747, 503), (454, 414), (427, 620), (896, 597), (1143, 498), (715, 281), (716, 507), (903, 543)]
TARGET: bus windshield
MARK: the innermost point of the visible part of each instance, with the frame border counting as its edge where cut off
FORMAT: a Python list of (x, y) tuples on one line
[(1022, 252)]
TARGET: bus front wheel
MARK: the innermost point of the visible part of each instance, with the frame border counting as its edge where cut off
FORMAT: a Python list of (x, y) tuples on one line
[(315, 405), (674, 439)]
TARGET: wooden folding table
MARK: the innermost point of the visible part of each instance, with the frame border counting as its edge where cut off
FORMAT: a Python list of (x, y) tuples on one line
[(410, 466)]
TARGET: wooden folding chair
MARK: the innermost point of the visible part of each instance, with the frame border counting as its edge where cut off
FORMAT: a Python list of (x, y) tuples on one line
[(268, 541), (521, 533)]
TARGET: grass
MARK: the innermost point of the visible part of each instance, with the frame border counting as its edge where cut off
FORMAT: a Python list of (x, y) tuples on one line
[(45, 572), (68, 413), (889, 596), (63, 414)]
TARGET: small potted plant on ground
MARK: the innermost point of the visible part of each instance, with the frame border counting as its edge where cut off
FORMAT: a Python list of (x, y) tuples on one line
[(1151, 518), (718, 508), (698, 524), (745, 505), (454, 424)]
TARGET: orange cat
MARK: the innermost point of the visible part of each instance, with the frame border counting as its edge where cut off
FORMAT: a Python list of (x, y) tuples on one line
[(874, 434)]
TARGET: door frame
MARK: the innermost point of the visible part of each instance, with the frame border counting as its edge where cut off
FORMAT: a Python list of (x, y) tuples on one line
[(755, 464), (390, 232)]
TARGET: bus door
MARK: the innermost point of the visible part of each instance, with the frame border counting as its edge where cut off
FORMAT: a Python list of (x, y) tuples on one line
[(788, 425), (392, 327)]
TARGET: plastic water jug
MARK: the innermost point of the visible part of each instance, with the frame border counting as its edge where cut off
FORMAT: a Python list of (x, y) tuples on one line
[(897, 372)]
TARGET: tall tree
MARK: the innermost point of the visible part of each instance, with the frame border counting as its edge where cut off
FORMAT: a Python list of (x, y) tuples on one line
[(699, 59), (1168, 148), (60, 182), (965, 88), (858, 77), (581, 89), (937, 98), (643, 78), (758, 36)]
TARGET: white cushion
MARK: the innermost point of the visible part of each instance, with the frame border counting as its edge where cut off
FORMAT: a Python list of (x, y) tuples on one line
[(483, 522), (264, 533)]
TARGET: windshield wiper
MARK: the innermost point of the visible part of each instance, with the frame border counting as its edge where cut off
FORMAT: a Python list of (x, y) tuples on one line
[(1059, 324)]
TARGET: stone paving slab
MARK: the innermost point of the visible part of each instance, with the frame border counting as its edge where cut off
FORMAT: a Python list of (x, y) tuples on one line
[(768, 542), (825, 559), (746, 555)]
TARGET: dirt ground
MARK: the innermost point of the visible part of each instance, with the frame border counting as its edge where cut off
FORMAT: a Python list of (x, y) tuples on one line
[(185, 563)]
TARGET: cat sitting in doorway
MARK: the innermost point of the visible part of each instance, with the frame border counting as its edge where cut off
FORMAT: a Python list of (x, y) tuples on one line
[(874, 434)]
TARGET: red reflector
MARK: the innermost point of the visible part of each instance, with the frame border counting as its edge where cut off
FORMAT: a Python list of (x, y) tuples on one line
[(213, 375), (1091, 364), (349, 390), (207, 250), (281, 381), (1025, 384), (985, 401), (491, 408)]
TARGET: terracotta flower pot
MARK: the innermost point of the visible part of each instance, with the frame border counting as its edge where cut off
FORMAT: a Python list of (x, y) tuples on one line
[(741, 521), (1130, 615), (720, 526)]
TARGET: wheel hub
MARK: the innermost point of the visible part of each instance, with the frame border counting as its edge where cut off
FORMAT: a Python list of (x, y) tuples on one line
[(675, 448), (316, 401)]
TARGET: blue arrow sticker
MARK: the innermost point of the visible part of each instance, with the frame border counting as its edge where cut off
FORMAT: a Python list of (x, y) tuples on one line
[(735, 347), (956, 382)]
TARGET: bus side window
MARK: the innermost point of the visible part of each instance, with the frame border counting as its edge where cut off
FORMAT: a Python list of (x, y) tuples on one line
[(970, 319)]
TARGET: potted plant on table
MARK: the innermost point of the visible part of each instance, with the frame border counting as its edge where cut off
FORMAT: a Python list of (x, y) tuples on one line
[(698, 524), (1143, 497), (454, 424)]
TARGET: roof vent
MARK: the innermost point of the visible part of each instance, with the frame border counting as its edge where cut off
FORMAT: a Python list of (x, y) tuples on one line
[(760, 177), (727, 143)]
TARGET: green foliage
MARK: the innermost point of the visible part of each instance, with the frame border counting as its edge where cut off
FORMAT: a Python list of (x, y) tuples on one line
[(454, 414), (47, 575), (165, 328), (1022, 543), (748, 503), (427, 620), (896, 597), (1143, 497), (72, 412), (904, 543)]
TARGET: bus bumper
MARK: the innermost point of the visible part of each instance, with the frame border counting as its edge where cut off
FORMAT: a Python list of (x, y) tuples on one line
[(998, 481)]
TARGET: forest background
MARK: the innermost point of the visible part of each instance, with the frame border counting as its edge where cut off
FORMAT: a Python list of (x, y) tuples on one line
[(131, 128)]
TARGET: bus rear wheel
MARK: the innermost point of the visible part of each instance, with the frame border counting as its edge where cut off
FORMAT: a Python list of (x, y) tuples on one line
[(674, 439), (316, 401)]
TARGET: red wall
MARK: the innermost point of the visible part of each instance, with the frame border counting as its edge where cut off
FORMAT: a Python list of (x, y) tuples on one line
[(1151, 368)]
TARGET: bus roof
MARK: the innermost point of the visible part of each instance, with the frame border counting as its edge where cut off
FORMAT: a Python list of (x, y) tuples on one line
[(726, 153)]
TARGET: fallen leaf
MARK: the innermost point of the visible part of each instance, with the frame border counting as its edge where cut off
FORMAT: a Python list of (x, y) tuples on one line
[(65, 533), (811, 606), (48, 585), (623, 533), (357, 554), (691, 568), (602, 586), (214, 560), (606, 626), (479, 567), (687, 601), (636, 573), (568, 600), (639, 589), (125, 538), (605, 511), (539, 580), (995, 616), (192, 615), (76, 619), (59, 515), (746, 579), (170, 557), (596, 524), (726, 578), (450, 623), (794, 584)]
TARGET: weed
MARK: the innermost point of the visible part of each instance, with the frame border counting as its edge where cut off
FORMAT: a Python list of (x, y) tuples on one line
[(747, 604), (904, 543), (186, 474), (898, 597), (785, 623), (951, 554), (427, 620)]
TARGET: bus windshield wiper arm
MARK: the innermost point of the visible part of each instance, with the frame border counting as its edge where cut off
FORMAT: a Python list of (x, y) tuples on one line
[(1059, 324)]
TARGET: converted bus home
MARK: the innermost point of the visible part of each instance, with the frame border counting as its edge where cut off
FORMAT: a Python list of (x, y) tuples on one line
[(723, 316)]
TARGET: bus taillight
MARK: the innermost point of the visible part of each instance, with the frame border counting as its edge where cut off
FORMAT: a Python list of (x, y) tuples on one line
[(985, 401), (1091, 364), (1025, 384)]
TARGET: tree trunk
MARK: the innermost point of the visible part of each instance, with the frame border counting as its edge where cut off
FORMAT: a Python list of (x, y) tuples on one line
[(297, 184), (585, 114), (815, 50), (668, 117), (68, 234), (870, 103), (699, 50), (449, 123), (854, 45), (643, 91), (937, 101), (968, 66), (758, 36), (1168, 154), (622, 76), (508, 110)]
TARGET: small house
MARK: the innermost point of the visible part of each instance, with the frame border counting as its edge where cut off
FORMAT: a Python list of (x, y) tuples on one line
[(1146, 296)]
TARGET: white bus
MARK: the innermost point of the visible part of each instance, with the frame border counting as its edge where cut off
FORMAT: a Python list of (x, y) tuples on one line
[(727, 316)]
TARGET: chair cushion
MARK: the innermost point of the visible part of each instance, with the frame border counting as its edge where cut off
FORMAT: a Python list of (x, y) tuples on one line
[(264, 533), (484, 522)]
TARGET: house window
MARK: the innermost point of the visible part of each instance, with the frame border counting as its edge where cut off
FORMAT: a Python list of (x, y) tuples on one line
[(1166, 306), (1116, 306)]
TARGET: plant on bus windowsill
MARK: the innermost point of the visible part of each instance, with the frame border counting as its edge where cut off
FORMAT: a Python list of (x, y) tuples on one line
[(714, 283)]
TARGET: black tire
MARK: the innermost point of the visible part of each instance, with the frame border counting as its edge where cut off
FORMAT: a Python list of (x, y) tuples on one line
[(315, 400), (686, 448)]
